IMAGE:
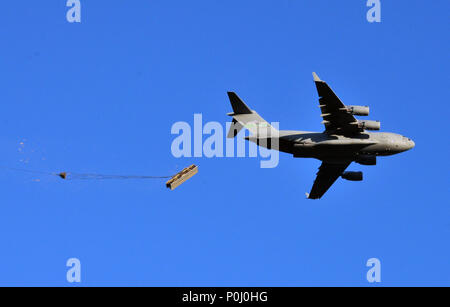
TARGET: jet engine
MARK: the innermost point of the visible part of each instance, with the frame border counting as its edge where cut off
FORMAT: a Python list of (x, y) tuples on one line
[(366, 160), (369, 124), (352, 176), (358, 110)]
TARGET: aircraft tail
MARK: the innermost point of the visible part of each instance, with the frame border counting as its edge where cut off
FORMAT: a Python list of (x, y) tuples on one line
[(239, 107), (244, 117)]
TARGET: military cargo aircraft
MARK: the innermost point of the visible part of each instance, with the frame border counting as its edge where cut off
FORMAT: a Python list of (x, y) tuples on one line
[(345, 139)]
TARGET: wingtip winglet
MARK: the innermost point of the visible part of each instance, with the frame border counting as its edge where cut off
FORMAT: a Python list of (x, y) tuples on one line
[(316, 77), (308, 196)]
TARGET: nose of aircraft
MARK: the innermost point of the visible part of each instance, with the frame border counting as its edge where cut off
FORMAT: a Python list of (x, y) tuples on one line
[(409, 144), (406, 144)]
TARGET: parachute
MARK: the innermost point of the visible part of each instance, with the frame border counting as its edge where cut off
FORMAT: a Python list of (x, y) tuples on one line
[(174, 181), (90, 176)]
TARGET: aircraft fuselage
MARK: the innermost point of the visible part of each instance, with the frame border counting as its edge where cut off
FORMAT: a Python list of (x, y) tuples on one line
[(324, 146)]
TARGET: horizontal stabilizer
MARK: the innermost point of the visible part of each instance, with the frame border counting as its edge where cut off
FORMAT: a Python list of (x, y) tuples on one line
[(243, 117), (234, 129)]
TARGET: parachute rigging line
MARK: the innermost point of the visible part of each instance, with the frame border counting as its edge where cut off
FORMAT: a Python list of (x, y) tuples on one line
[(84, 176)]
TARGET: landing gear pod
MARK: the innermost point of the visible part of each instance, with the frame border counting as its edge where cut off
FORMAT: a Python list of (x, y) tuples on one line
[(352, 176), (182, 176)]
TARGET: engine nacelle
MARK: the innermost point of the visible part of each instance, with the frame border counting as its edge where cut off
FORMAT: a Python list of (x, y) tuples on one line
[(352, 176), (369, 124), (366, 160), (358, 110)]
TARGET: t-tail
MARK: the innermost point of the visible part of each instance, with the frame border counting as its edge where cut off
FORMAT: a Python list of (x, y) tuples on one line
[(244, 117)]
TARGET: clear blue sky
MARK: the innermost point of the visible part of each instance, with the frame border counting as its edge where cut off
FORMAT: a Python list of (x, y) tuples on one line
[(101, 96)]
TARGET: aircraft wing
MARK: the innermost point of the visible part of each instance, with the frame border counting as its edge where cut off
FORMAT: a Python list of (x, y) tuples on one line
[(334, 113), (327, 175)]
